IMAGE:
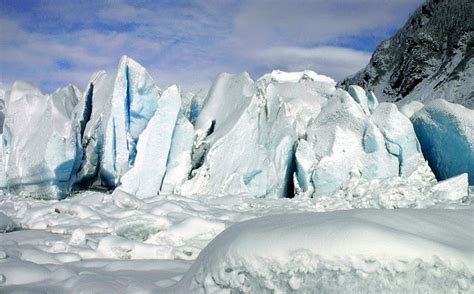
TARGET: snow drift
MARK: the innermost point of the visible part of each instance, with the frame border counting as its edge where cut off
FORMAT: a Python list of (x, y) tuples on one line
[(346, 251)]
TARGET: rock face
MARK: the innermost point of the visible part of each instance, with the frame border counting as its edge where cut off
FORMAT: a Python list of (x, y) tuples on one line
[(431, 57), (446, 134)]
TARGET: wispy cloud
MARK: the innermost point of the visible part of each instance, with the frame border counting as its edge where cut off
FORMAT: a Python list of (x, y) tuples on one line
[(190, 42), (318, 21)]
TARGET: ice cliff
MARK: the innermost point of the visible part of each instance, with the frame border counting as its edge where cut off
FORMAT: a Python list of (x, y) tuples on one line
[(284, 135), (296, 133), (39, 140), (115, 110), (446, 134)]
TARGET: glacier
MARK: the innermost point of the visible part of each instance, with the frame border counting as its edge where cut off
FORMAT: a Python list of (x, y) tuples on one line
[(354, 132), (285, 135), (446, 133), (191, 175), (289, 142), (283, 183)]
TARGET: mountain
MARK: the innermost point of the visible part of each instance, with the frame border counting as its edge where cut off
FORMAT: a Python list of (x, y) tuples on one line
[(429, 58)]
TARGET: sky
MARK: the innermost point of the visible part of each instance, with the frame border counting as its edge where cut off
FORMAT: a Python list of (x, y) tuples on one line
[(54, 43)]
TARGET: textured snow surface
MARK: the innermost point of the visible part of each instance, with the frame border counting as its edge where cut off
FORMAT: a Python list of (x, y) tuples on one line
[(344, 251), (119, 243), (6, 224), (446, 134)]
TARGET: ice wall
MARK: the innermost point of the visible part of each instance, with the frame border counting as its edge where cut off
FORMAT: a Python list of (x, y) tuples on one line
[(247, 131), (446, 134), (164, 148), (115, 110), (284, 135), (353, 132), (39, 141)]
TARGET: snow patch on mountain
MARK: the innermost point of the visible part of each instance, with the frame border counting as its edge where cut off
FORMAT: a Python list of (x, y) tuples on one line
[(431, 57)]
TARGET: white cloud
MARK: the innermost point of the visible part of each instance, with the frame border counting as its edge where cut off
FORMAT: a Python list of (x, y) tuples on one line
[(189, 42), (263, 23), (41, 58)]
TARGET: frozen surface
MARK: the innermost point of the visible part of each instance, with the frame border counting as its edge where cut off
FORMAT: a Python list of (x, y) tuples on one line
[(120, 243), (446, 134), (453, 188), (179, 162), (410, 108), (344, 251), (286, 134), (187, 167), (295, 77)]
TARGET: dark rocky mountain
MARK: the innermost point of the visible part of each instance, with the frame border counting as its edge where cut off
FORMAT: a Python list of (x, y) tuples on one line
[(430, 57)]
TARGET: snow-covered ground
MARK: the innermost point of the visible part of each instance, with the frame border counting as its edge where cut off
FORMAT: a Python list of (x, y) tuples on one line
[(346, 188), (104, 243)]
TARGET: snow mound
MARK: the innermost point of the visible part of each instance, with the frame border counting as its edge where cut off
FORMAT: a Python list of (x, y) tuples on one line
[(295, 77), (446, 134), (6, 224), (410, 108), (345, 251)]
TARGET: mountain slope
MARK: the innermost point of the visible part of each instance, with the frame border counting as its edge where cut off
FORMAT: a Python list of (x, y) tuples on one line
[(429, 58)]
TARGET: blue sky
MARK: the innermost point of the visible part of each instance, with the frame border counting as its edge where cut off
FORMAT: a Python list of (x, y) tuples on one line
[(53, 43)]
